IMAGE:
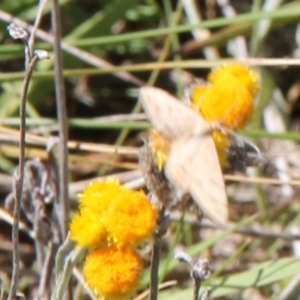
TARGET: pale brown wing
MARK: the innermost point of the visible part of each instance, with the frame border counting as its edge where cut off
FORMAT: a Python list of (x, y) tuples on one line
[(172, 118), (193, 166)]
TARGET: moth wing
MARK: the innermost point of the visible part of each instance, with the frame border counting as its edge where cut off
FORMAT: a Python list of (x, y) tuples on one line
[(172, 118), (193, 166)]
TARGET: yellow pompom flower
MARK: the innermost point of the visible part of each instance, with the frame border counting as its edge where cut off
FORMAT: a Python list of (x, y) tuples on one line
[(241, 74), (130, 219), (111, 214), (87, 230), (113, 273), (230, 97), (95, 196)]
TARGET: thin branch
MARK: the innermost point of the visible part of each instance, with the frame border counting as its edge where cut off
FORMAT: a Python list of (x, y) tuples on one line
[(154, 267), (259, 232), (196, 288), (162, 228), (63, 197), (37, 22), (47, 271), (19, 180), (31, 59)]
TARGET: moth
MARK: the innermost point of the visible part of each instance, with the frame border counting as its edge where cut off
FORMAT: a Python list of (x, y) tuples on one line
[(192, 165)]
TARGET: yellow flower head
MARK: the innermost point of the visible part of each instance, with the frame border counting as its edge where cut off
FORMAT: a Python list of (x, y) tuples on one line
[(230, 97), (96, 195), (235, 73), (112, 272), (87, 230), (113, 215), (130, 219)]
